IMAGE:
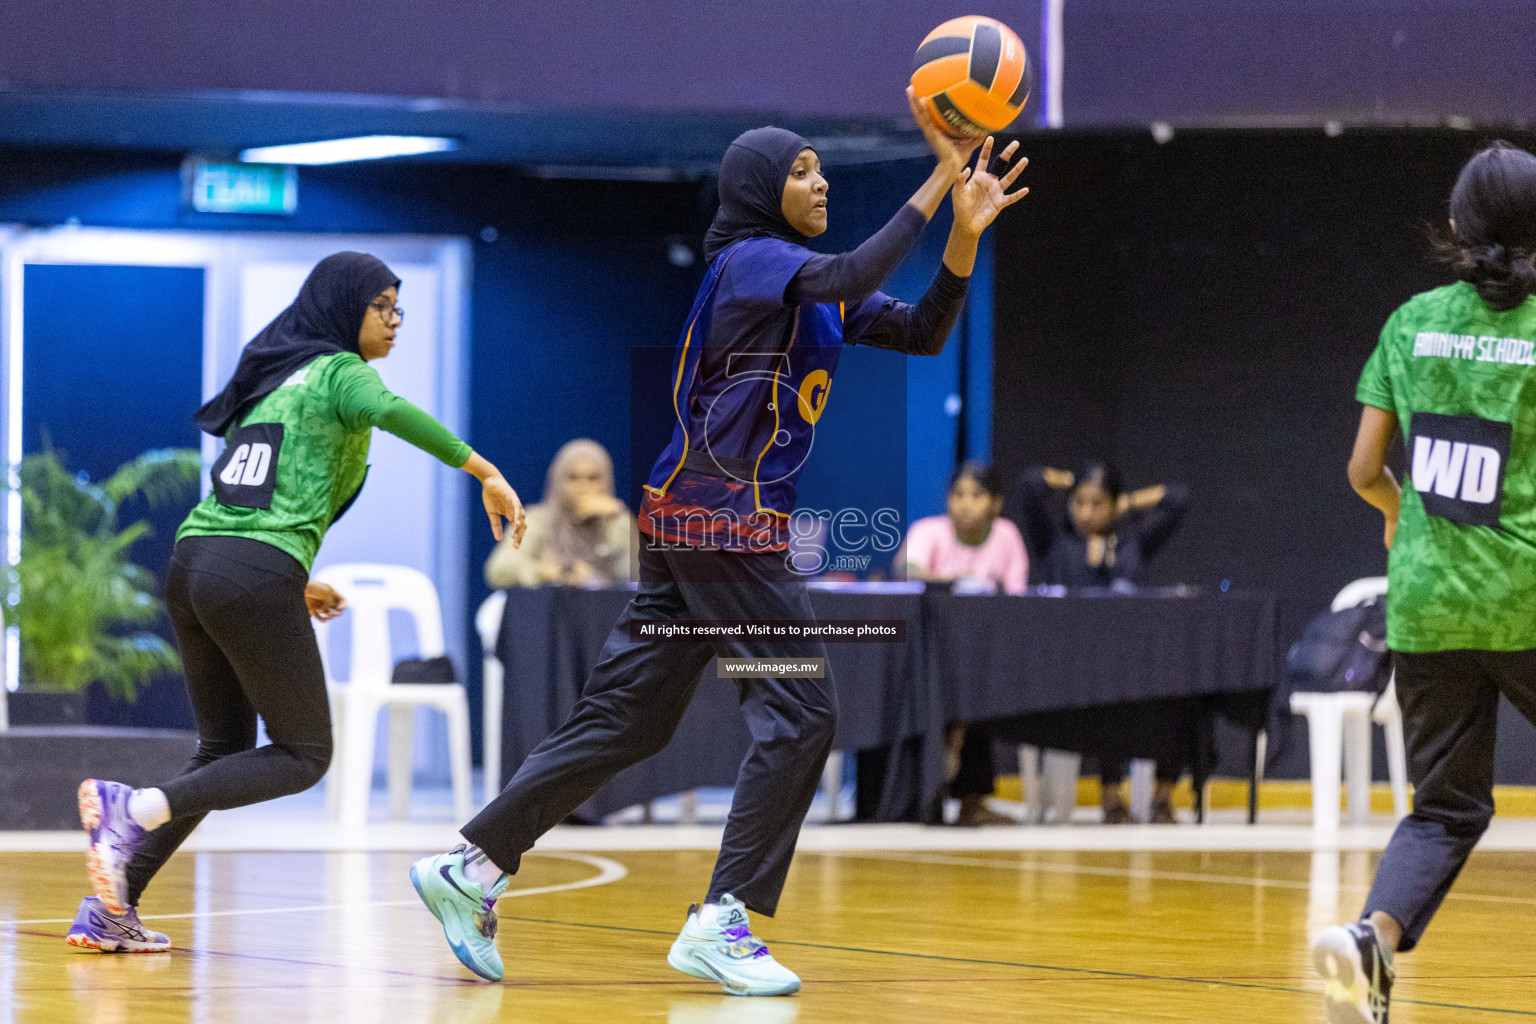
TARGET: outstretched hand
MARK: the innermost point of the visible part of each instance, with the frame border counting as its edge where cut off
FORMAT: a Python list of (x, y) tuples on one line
[(979, 195), (953, 154), (502, 501)]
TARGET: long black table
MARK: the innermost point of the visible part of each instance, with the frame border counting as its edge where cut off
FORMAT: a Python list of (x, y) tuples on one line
[(1050, 670), (1117, 676)]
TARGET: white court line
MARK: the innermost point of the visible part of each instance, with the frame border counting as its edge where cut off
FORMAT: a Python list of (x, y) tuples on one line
[(250, 833), (607, 871), (1142, 874)]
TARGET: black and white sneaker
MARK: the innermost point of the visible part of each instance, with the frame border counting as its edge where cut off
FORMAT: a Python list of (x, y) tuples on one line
[(1357, 974)]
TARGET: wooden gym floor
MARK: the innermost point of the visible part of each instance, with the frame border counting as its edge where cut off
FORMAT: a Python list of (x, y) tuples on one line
[(881, 937)]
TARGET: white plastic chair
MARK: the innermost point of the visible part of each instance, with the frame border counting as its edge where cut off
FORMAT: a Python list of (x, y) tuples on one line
[(493, 690), (1339, 731), (372, 592)]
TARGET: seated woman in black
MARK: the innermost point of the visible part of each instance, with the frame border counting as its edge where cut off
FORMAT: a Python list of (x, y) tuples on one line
[(1103, 539)]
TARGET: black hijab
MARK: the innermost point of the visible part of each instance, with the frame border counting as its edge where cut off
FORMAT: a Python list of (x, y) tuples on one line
[(324, 319), (752, 176)]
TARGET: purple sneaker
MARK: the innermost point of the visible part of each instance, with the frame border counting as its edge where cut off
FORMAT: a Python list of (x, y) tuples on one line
[(98, 928), (113, 838)]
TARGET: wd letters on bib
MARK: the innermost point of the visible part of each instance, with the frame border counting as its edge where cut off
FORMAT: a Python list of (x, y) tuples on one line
[(1458, 466), (1459, 377)]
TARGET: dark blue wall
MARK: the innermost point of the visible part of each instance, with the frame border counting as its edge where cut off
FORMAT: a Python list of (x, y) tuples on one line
[(577, 275), (112, 357), (112, 362)]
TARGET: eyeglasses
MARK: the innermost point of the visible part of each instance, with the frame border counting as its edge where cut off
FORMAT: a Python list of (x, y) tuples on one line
[(386, 310)]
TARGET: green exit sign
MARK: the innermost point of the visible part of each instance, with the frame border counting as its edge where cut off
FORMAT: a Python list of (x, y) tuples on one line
[(241, 188)]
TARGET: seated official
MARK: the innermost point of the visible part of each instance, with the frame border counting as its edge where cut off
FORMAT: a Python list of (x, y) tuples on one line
[(974, 548), (1103, 537), (971, 541), (580, 535)]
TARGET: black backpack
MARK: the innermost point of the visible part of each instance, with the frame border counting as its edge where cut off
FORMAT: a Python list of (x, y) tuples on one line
[(1342, 651)]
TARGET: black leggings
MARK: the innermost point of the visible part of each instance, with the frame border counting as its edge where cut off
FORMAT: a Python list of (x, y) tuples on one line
[(1450, 702), (248, 649)]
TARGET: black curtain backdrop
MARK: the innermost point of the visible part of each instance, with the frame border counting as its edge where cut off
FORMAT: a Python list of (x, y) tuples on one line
[(1200, 311)]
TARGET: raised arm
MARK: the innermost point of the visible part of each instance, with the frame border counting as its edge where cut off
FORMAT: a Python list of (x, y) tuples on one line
[(917, 330), (1159, 510), (978, 197), (852, 276)]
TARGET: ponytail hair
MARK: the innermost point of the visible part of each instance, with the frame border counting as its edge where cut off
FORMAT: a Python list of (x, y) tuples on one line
[(1493, 207)]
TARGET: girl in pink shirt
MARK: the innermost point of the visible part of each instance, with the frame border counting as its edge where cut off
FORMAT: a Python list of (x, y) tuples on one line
[(974, 545), (971, 542)]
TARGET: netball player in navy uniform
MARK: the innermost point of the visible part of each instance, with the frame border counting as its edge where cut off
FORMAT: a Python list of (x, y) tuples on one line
[(752, 372)]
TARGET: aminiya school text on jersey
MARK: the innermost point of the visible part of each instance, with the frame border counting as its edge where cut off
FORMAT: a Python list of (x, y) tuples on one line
[(1482, 349)]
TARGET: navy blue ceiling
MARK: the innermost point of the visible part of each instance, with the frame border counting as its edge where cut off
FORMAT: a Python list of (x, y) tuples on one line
[(587, 86)]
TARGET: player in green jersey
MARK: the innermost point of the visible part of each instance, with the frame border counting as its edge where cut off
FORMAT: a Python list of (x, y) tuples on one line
[(297, 418), (1454, 373)]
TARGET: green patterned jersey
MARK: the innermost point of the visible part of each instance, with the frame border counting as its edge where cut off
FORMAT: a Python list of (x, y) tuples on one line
[(1461, 379), (294, 462)]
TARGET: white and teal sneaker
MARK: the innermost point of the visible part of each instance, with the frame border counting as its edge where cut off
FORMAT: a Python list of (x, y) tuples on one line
[(1357, 974), (726, 952), (466, 910)]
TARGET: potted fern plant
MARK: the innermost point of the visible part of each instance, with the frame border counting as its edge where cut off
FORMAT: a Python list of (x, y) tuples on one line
[(83, 609), (85, 613)]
